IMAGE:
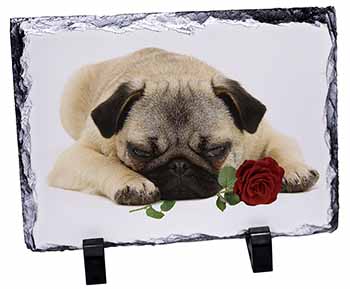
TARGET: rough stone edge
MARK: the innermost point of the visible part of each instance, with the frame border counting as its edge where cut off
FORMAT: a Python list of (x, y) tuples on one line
[(22, 109), (311, 15)]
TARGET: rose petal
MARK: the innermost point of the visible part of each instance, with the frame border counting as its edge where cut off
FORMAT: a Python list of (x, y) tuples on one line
[(259, 182), (237, 188), (246, 165)]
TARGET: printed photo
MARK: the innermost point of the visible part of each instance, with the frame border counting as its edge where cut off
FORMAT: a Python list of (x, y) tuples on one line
[(156, 125)]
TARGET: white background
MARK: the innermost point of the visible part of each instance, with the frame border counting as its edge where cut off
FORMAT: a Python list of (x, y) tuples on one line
[(317, 261), (283, 66)]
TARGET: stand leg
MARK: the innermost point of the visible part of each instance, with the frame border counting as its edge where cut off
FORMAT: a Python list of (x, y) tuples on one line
[(259, 243), (94, 260)]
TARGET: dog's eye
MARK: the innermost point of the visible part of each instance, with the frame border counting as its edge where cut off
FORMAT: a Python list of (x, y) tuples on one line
[(140, 153), (216, 151)]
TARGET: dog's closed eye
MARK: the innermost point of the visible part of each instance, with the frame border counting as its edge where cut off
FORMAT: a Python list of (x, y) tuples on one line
[(211, 151), (216, 151), (140, 153)]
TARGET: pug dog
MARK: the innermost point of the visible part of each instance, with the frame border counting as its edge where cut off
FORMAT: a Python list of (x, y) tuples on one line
[(159, 125)]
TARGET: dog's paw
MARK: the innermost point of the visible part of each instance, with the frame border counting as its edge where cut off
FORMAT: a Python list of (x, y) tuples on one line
[(137, 191), (298, 177)]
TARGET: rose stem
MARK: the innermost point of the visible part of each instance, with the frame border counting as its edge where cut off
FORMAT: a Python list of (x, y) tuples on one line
[(139, 209), (221, 197), (222, 191)]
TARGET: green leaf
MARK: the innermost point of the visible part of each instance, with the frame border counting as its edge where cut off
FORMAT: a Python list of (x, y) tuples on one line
[(150, 212), (220, 204), (167, 205), (227, 177), (284, 188), (231, 198)]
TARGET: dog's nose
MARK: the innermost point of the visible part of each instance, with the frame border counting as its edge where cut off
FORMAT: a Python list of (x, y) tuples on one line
[(179, 167)]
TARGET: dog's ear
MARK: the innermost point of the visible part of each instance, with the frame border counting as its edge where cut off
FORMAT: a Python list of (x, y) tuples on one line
[(245, 110), (110, 115)]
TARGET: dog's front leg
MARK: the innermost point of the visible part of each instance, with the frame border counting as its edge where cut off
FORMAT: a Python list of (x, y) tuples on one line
[(83, 169), (298, 175)]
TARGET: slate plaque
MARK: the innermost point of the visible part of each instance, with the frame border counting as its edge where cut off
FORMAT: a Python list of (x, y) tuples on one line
[(169, 127)]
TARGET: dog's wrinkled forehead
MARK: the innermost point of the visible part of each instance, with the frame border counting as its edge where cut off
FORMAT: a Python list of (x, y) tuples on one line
[(176, 110), (177, 105)]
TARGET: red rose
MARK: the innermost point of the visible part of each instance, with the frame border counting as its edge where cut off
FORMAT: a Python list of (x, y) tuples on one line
[(258, 182)]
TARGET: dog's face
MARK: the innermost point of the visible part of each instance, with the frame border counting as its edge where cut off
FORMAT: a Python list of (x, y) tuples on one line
[(179, 134)]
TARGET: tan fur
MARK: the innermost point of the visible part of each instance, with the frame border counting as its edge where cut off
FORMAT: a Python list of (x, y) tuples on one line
[(102, 166)]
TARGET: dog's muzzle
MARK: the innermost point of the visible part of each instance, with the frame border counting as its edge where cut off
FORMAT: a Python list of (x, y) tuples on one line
[(180, 179)]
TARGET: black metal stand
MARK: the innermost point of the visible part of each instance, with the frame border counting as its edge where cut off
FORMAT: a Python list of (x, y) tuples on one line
[(259, 243), (94, 260)]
